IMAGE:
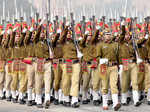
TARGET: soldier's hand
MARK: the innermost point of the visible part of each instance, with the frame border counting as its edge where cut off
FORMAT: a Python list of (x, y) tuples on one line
[(86, 32), (59, 31), (123, 23), (98, 27), (2, 32), (67, 23), (139, 60), (146, 36)]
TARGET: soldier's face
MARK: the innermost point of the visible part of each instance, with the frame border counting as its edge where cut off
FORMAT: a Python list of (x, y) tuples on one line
[(17, 37), (69, 36), (127, 37), (107, 37), (42, 35)]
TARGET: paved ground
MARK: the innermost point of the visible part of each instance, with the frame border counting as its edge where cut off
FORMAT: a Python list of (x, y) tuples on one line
[(10, 107)]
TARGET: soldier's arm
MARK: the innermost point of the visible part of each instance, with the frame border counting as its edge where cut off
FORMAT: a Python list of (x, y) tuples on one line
[(22, 39), (82, 42), (122, 36), (56, 37), (94, 37), (12, 39), (148, 42), (1, 37), (141, 41), (63, 36), (27, 37), (37, 36), (6, 43)]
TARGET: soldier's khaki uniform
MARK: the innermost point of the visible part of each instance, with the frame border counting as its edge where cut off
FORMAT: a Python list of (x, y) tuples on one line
[(108, 71), (2, 67), (57, 67), (147, 71), (89, 70), (30, 66), (71, 69), (19, 67), (8, 66), (129, 74), (42, 68)]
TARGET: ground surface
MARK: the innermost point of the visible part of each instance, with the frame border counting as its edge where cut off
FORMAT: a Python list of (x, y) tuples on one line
[(10, 107)]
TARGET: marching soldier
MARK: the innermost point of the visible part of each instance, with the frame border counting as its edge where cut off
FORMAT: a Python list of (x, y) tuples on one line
[(107, 52), (42, 67), (71, 69), (2, 67), (127, 58), (57, 67)]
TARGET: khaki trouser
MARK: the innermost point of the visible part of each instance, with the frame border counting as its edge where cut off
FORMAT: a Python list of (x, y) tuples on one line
[(57, 77), (130, 75), (8, 79), (141, 79), (44, 78), (96, 80), (31, 75), (86, 76), (147, 77), (20, 79), (70, 84), (110, 80), (2, 80)]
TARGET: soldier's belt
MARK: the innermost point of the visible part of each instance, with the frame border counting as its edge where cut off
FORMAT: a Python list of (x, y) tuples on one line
[(131, 61), (58, 61), (112, 63), (73, 61)]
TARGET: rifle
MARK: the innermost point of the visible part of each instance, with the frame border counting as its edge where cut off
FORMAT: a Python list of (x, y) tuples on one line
[(135, 47), (79, 54), (48, 39)]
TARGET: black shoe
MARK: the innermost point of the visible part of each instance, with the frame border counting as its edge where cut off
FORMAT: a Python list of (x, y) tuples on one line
[(52, 99), (66, 104), (85, 102), (2, 98), (47, 104), (88, 100), (128, 100), (137, 104), (124, 104), (148, 102), (22, 101), (56, 102), (33, 102), (61, 102), (39, 106), (110, 102), (75, 105), (96, 102), (8, 99), (29, 103), (141, 98), (117, 107), (14, 100)]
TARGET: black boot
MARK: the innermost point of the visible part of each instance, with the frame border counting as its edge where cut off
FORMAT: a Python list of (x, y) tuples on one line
[(56, 102), (148, 102), (137, 104), (128, 100), (22, 101), (117, 107), (2, 98), (110, 102), (97, 102), (14, 100), (29, 103), (75, 105), (66, 104), (85, 102), (8, 99)]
